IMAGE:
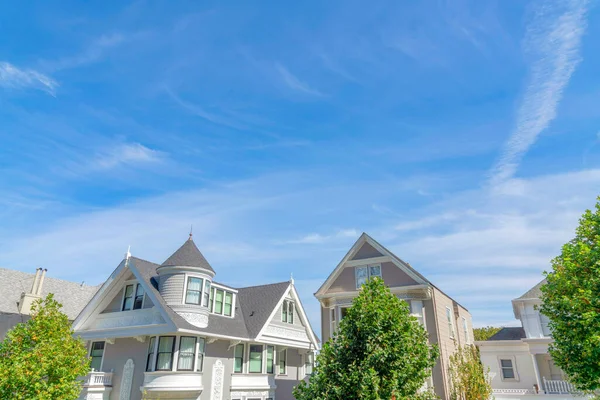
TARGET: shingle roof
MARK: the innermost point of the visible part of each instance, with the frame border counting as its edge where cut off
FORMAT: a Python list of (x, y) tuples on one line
[(510, 333), (188, 255), (258, 302), (533, 293), (73, 296)]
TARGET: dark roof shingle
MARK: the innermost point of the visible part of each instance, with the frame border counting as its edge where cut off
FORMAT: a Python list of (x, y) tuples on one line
[(510, 333), (258, 302), (188, 255)]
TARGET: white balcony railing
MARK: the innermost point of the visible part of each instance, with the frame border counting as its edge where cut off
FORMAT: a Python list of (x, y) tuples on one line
[(97, 378), (558, 387), (513, 391)]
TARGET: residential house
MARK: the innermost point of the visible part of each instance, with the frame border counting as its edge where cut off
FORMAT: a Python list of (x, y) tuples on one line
[(19, 290), (448, 323), (171, 331), (518, 358)]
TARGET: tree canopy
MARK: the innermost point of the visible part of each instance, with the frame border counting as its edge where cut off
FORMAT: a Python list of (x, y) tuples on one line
[(469, 379), (485, 333), (40, 359), (571, 301), (380, 351)]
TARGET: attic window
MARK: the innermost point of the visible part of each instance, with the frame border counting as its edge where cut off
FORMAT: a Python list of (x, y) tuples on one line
[(363, 274), (287, 312), (133, 299)]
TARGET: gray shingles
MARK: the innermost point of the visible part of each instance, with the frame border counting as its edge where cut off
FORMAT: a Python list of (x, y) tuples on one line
[(73, 296), (258, 302), (533, 293), (510, 333), (188, 255)]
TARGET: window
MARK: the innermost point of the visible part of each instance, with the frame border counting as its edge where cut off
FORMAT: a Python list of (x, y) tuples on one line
[(150, 357), (255, 360), (416, 310), (218, 301), (228, 304), (281, 360), (238, 358), (194, 290), (363, 274), (187, 350), (200, 357), (96, 353), (466, 330), (211, 300), (343, 312), (287, 311), (139, 297), (164, 359), (450, 322), (545, 321), (333, 324), (309, 361), (206, 294), (133, 300), (270, 359), (508, 371)]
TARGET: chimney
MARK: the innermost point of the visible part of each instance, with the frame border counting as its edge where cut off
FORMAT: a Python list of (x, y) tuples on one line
[(41, 282), (27, 299)]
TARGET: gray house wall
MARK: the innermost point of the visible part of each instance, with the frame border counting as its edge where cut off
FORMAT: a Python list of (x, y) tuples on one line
[(217, 351), (115, 357)]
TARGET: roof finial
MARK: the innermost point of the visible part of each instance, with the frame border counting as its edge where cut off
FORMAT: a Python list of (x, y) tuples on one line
[(191, 231), (292, 278), (128, 254)]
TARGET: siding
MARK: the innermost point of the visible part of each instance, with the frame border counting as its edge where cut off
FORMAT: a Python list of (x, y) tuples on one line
[(115, 357), (171, 288), (366, 251), (285, 383), (115, 304), (394, 276), (325, 323), (217, 351)]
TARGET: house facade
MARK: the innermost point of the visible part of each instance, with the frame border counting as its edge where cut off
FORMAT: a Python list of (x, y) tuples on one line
[(170, 331), (518, 359), (448, 323)]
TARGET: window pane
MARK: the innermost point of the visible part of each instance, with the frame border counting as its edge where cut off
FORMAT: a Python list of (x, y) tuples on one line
[(375, 271), (200, 358), (282, 361), (128, 290), (270, 358), (150, 357), (139, 291), (238, 358), (210, 300), (195, 284), (255, 362), (97, 349), (506, 363), (219, 302), (164, 357), (508, 373), (187, 349), (291, 315), (194, 291), (343, 312), (361, 276), (228, 301), (206, 293), (128, 299), (96, 363), (284, 311)]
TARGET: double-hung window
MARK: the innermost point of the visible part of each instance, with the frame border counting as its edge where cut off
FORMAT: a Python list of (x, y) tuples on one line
[(287, 311), (206, 294), (218, 301), (508, 370), (238, 359), (363, 274), (255, 360), (96, 354), (309, 361), (164, 357), (282, 361), (133, 298), (466, 330), (200, 356), (187, 351), (150, 356), (333, 325), (450, 322), (221, 302), (228, 304), (270, 359), (193, 294)]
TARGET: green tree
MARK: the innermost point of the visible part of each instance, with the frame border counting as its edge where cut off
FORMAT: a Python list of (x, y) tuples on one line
[(40, 359), (379, 352), (485, 333), (469, 379), (571, 300)]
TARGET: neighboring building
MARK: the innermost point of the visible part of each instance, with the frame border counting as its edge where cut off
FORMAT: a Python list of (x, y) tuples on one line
[(448, 323), (18, 291), (171, 331), (518, 358)]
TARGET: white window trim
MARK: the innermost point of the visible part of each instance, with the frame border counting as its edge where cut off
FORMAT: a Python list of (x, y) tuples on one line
[(246, 348), (103, 351), (514, 367), (263, 367), (451, 328), (368, 267), (211, 307), (185, 285), (135, 284)]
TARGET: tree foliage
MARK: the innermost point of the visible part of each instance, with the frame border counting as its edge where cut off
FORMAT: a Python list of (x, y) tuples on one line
[(40, 359), (379, 352), (571, 300), (485, 333), (469, 379)]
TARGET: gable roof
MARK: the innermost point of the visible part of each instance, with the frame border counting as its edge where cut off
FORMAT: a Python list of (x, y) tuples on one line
[(188, 255), (258, 303), (509, 333), (72, 295), (533, 293)]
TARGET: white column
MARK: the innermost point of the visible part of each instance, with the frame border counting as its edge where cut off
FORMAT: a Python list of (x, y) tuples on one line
[(537, 372)]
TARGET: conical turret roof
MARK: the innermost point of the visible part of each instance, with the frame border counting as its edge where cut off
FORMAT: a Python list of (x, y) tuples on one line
[(188, 255)]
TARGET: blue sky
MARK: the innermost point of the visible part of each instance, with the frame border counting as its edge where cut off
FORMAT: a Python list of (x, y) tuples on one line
[(462, 135)]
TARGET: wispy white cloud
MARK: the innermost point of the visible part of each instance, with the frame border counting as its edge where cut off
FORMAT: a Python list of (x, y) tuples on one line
[(16, 78), (317, 238), (553, 42), (126, 153), (93, 53), (294, 83)]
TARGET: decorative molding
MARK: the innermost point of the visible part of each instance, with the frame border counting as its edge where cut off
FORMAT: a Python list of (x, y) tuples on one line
[(120, 319), (110, 340), (286, 333), (254, 393), (217, 380), (199, 320), (126, 380), (140, 338), (211, 340)]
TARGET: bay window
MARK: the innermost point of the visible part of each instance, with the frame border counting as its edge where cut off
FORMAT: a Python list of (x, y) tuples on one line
[(164, 359), (161, 355), (255, 359), (238, 358), (187, 350)]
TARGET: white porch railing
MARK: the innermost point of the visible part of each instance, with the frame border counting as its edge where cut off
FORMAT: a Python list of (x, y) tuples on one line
[(558, 387), (513, 391), (96, 378)]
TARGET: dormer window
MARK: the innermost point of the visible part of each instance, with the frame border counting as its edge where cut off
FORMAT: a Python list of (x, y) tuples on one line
[(221, 302), (287, 312), (363, 274), (133, 298)]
